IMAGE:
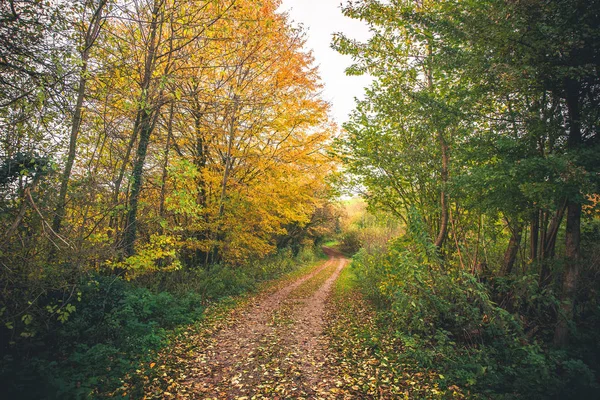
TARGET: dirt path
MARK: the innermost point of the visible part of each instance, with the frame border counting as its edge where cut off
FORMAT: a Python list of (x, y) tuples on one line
[(273, 348)]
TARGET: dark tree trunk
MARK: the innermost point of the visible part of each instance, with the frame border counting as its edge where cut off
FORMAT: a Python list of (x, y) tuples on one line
[(534, 237), (573, 231), (571, 276), (510, 256), (548, 246), (200, 156), (144, 118), (136, 185), (163, 183), (114, 219)]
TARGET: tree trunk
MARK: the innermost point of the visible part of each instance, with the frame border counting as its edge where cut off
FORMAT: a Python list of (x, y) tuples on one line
[(90, 37), (510, 256), (442, 233), (439, 241), (145, 127), (163, 183), (228, 157), (573, 231), (227, 169), (114, 219), (200, 160), (66, 175), (534, 238), (200, 156), (549, 243), (571, 276)]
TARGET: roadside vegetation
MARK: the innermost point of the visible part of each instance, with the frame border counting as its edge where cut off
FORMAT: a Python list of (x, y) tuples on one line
[(406, 322), (112, 341), (479, 135)]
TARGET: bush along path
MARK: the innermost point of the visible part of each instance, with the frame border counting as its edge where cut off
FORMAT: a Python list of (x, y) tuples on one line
[(370, 359)]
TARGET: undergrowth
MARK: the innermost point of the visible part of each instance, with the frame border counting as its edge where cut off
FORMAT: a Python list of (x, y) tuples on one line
[(116, 325), (369, 358), (450, 320)]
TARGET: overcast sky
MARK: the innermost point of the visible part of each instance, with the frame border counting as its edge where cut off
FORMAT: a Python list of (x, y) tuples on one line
[(322, 18)]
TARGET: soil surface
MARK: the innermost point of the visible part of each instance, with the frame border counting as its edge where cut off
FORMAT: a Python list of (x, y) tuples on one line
[(272, 348)]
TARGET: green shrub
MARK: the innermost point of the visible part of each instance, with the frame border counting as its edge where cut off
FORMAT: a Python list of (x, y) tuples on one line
[(350, 242), (447, 321), (115, 325)]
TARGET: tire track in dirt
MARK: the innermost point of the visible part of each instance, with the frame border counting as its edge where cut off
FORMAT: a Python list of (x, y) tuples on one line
[(278, 336), (305, 336)]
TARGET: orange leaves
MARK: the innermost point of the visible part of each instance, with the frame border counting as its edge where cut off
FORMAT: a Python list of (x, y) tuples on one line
[(238, 146), (255, 136)]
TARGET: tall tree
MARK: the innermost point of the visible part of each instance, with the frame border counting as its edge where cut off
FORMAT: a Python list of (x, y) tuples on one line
[(415, 104), (88, 30)]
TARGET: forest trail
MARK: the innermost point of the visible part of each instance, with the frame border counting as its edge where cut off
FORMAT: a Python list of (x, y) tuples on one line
[(273, 347)]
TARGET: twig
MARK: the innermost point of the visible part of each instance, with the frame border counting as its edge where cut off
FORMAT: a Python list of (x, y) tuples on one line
[(46, 222)]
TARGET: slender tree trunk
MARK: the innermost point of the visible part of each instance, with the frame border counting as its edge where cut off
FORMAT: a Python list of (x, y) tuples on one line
[(145, 127), (200, 160), (227, 169), (90, 37), (571, 276), (543, 233), (476, 256), (510, 256), (228, 158), (573, 231), (163, 183), (443, 226), (549, 243), (534, 238), (114, 219), (200, 156), (66, 175), (439, 241)]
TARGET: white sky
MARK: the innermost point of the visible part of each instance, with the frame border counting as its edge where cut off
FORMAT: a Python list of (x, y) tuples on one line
[(320, 19)]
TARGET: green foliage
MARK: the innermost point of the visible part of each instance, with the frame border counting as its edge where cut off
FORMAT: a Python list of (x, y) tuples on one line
[(447, 320), (113, 325), (350, 242), (23, 164)]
